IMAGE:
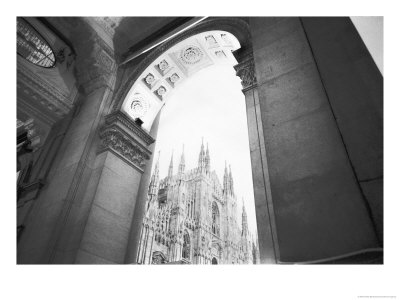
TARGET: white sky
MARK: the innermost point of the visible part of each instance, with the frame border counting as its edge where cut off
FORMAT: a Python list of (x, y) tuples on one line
[(211, 105), (371, 31)]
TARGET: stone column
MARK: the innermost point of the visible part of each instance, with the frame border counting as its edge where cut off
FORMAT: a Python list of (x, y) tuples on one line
[(84, 211), (55, 224), (354, 87), (318, 205), (121, 159), (262, 191)]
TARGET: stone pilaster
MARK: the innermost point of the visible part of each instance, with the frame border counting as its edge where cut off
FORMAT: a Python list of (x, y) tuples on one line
[(318, 205), (245, 69), (125, 139), (122, 156), (60, 220)]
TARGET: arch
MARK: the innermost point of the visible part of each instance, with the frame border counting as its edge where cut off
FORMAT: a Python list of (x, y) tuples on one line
[(169, 71), (186, 246), (214, 261), (238, 27)]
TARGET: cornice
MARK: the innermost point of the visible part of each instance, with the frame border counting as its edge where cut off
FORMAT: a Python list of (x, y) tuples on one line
[(25, 74), (42, 92), (120, 117), (114, 139), (125, 139)]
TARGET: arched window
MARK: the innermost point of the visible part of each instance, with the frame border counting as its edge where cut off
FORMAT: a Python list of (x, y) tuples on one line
[(32, 46), (186, 246), (188, 208), (215, 219)]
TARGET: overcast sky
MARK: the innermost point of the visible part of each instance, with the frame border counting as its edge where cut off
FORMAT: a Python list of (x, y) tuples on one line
[(371, 31), (211, 105)]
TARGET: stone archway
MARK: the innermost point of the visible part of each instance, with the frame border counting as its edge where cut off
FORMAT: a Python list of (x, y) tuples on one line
[(145, 74), (214, 261), (279, 76), (315, 130)]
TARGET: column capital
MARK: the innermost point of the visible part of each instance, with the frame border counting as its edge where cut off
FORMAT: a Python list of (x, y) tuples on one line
[(95, 61), (96, 68), (125, 139), (245, 70)]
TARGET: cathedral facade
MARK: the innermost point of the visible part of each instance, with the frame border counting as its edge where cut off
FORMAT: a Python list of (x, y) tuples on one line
[(191, 218)]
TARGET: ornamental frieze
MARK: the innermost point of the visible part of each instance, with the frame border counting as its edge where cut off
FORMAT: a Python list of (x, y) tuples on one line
[(114, 139)]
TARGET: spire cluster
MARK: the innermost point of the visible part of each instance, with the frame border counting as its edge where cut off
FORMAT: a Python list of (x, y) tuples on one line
[(204, 166), (181, 168), (228, 181), (154, 181), (202, 158), (171, 166)]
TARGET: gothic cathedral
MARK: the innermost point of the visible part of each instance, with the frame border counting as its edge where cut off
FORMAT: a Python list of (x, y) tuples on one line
[(192, 219)]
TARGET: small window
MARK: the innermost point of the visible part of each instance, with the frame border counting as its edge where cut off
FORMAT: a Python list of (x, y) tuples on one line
[(186, 246), (32, 46), (215, 219)]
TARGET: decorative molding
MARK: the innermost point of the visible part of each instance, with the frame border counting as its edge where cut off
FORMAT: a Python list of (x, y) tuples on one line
[(95, 59), (97, 68), (191, 54), (119, 117), (116, 140), (108, 24), (246, 71), (237, 26), (138, 106), (95, 63), (33, 79), (126, 139), (30, 86)]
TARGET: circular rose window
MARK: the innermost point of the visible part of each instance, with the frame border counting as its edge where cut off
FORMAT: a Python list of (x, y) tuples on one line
[(32, 46)]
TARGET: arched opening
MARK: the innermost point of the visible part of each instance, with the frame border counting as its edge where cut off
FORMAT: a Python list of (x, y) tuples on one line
[(215, 219), (186, 246), (214, 261), (286, 113), (159, 84), (167, 72)]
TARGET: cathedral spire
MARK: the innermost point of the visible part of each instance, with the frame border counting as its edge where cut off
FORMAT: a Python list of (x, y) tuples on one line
[(207, 160), (231, 181), (202, 157), (171, 166), (154, 181), (226, 180), (181, 168), (245, 229), (157, 166)]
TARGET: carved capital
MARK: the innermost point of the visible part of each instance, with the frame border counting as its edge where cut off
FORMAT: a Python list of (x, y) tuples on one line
[(95, 62), (246, 71), (125, 139), (96, 69), (130, 126), (115, 140)]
